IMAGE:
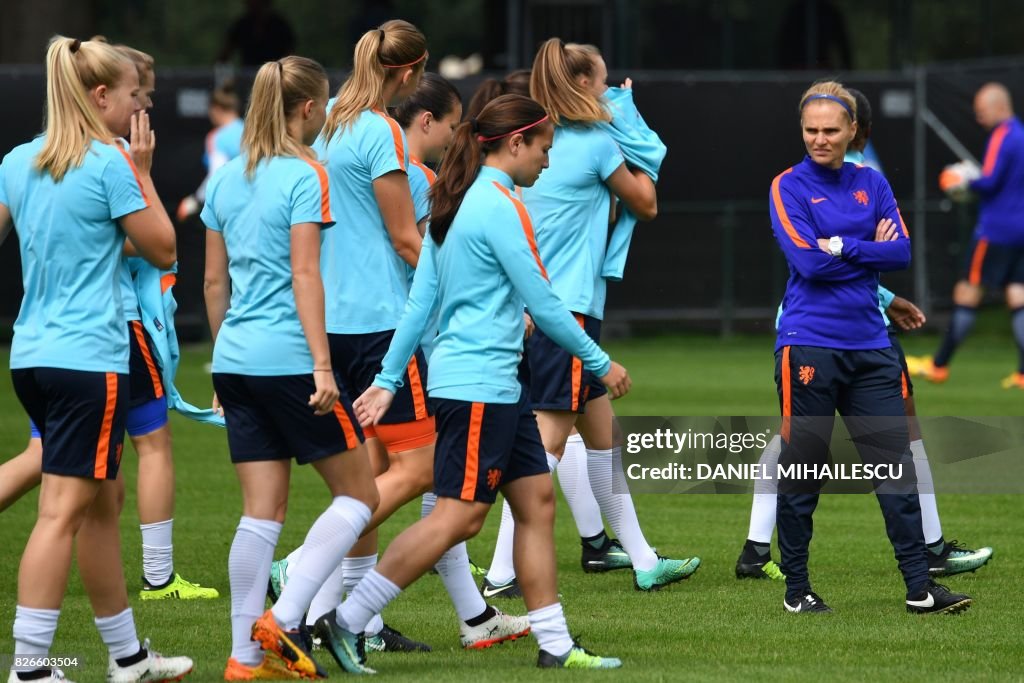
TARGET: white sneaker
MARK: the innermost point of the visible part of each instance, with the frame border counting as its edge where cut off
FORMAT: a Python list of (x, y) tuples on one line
[(153, 669), (55, 675), (497, 629)]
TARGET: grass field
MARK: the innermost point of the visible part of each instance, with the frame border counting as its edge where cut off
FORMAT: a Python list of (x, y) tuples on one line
[(709, 628)]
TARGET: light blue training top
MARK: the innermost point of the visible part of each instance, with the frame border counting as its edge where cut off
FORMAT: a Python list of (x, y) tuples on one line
[(479, 279), (570, 207), (70, 243), (364, 277), (261, 334)]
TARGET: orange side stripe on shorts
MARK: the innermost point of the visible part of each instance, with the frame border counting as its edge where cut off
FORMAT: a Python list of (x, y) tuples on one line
[(977, 261), (577, 372), (396, 133), (325, 193), (906, 391), (419, 400), (351, 440), (99, 470), (154, 376), (787, 395), (524, 218), (476, 421), (167, 280)]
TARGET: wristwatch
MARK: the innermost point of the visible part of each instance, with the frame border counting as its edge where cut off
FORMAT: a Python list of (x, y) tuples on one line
[(835, 246)]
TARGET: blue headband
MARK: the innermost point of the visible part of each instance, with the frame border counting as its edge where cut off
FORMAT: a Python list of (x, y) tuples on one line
[(832, 98)]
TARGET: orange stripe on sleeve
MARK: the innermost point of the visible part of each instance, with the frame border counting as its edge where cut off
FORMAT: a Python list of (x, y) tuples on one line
[(787, 395), (351, 439), (419, 400), (103, 444), (135, 172), (396, 133), (154, 375), (427, 171), (994, 145), (167, 280), (524, 218), (780, 209), (977, 261), (903, 225), (325, 192), (476, 421)]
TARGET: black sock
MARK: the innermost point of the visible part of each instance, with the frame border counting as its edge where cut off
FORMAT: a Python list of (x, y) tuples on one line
[(484, 616), (959, 327), (133, 659), (36, 675), (755, 551), (937, 547), (596, 542), (165, 584)]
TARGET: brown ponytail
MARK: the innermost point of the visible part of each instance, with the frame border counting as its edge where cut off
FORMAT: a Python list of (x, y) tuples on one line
[(466, 152)]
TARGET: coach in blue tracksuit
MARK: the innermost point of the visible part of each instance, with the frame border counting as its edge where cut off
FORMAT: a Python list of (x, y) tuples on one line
[(838, 226)]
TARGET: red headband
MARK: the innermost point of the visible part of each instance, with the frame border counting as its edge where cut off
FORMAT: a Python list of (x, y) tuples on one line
[(402, 66), (481, 138)]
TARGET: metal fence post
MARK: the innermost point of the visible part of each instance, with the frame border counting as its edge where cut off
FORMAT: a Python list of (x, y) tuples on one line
[(728, 305), (922, 295)]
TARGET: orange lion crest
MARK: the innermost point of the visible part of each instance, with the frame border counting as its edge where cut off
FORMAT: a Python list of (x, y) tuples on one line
[(806, 374), (493, 478), (861, 196)]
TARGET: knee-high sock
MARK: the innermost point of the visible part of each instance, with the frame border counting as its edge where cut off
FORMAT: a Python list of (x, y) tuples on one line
[(549, 628), (118, 634), (612, 493), (249, 560), (453, 568), (328, 597), (329, 539), (33, 632), (926, 493), (575, 482), (762, 510), (959, 327), (157, 552), (369, 598), (355, 569)]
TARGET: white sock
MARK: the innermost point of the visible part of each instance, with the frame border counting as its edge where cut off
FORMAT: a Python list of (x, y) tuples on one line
[(369, 599), (293, 561), (575, 483), (762, 510), (355, 569), (501, 569), (157, 552), (328, 597), (33, 632), (606, 477), (249, 560), (549, 628), (926, 487), (118, 634), (453, 568), (328, 541)]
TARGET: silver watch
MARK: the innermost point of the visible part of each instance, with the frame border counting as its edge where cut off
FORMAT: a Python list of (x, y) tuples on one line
[(835, 246)]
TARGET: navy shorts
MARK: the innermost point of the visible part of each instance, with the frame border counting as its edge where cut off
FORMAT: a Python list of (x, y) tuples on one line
[(357, 358), (80, 417), (993, 265), (908, 386), (481, 446), (269, 418), (557, 378)]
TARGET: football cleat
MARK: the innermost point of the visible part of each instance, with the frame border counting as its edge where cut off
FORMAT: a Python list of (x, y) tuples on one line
[(497, 629), (177, 589), (936, 599), (810, 603), (665, 572)]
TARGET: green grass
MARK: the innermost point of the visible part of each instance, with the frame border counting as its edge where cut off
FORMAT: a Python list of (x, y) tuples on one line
[(709, 628)]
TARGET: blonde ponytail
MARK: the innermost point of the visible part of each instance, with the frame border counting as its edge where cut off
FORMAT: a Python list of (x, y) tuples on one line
[(553, 83), (379, 55), (73, 68), (279, 88)]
